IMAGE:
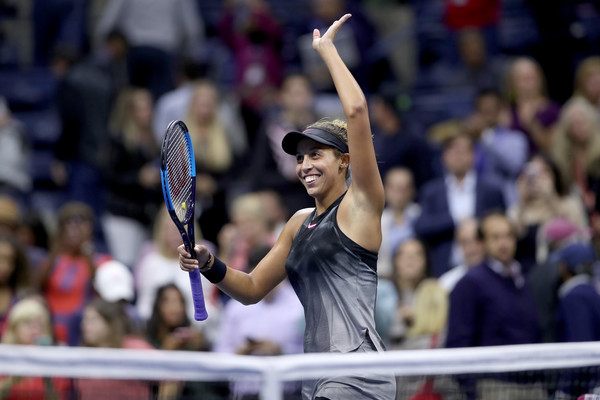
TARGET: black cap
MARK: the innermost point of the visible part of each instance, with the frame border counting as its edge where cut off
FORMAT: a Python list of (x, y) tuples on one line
[(291, 139)]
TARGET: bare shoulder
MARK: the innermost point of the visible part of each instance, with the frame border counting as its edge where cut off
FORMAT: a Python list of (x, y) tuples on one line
[(296, 220)]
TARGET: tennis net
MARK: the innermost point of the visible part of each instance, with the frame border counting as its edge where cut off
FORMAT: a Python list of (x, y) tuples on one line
[(541, 371)]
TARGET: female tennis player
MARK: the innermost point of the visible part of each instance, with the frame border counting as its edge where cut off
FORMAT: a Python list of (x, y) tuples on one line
[(329, 252)]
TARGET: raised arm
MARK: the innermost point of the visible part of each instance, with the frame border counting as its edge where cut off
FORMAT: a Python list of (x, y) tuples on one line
[(359, 214), (366, 181)]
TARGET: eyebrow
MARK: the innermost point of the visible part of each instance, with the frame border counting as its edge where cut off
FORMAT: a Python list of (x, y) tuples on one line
[(316, 147)]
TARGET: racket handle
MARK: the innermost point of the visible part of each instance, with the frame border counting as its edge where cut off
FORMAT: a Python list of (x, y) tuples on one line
[(200, 313)]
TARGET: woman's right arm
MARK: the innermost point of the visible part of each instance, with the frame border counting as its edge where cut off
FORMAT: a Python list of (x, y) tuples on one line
[(270, 271)]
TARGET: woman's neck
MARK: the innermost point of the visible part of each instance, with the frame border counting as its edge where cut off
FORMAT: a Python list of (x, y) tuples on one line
[(323, 204)]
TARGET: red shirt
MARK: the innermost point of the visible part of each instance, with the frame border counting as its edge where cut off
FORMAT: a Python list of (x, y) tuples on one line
[(34, 388), (472, 13), (68, 291)]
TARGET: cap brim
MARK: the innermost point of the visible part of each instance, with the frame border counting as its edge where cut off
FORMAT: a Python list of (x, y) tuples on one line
[(290, 142), (291, 139)]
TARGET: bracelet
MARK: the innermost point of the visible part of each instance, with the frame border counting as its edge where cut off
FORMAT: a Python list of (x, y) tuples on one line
[(216, 273), (206, 267)]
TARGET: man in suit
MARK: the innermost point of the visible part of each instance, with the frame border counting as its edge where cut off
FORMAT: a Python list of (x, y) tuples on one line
[(578, 314), (493, 305), (447, 201)]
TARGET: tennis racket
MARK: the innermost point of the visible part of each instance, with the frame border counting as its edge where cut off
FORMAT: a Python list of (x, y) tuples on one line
[(178, 176)]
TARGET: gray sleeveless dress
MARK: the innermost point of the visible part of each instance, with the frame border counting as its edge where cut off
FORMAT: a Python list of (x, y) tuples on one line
[(336, 282)]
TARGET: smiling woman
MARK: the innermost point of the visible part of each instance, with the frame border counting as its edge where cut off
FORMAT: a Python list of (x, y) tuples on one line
[(328, 251)]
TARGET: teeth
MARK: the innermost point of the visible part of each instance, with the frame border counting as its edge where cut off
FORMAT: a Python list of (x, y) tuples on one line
[(310, 178)]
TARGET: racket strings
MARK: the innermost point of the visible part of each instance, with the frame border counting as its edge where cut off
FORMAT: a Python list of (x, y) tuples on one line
[(178, 173)]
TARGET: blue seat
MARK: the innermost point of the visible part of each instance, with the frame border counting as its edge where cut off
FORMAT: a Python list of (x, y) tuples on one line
[(432, 106), (27, 89), (42, 126)]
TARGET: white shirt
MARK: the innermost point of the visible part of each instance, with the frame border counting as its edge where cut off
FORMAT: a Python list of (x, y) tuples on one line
[(450, 278), (461, 203), (461, 196)]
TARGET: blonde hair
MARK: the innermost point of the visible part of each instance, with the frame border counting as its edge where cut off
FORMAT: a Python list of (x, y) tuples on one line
[(249, 204), (430, 309), (510, 91), (121, 121), (211, 145), (585, 68), (562, 150), (25, 310), (161, 220)]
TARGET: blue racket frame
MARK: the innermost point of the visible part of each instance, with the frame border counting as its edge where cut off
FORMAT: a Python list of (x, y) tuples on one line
[(188, 238)]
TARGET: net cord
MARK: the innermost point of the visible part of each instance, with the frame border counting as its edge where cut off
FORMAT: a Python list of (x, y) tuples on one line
[(81, 362)]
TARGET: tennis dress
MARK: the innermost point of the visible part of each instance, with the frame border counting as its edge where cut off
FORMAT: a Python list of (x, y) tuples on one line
[(336, 282)]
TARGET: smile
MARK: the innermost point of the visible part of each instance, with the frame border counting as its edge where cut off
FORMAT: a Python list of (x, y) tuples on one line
[(310, 178)]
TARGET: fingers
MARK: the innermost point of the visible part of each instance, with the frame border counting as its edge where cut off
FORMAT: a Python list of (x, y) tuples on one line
[(186, 261), (344, 18), (316, 34)]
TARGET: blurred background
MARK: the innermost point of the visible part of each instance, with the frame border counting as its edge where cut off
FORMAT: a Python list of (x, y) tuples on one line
[(504, 93)]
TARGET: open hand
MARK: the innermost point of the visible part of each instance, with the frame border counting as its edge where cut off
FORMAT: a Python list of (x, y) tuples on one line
[(320, 41)]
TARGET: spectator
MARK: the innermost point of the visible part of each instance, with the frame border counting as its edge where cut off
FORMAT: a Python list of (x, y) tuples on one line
[(492, 305), (33, 235), (215, 156), (500, 153), (133, 187), (576, 150), (15, 276), (472, 251), (428, 331), (104, 326), (578, 309), (170, 328), (276, 212), (430, 316), (271, 167), (578, 318), (530, 110), (410, 268), (587, 81), (249, 229), (479, 14), (175, 104), (447, 201), (83, 99), (113, 282), (544, 277), (542, 198), (29, 324), (398, 216), (57, 23), (273, 326), (353, 45), (476, 68), (157, 30), (157, 266), (67, 275), (253, 34), (9, 215), (15, 156), (396, 145)]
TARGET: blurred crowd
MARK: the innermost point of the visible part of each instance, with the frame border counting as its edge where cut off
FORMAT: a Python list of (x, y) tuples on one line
[(486, 124)]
